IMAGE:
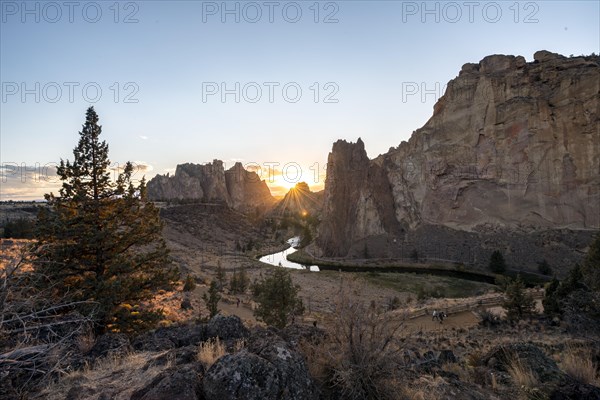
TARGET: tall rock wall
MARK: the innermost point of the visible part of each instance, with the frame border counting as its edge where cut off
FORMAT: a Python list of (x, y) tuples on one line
[(236, 187), (512, 148)]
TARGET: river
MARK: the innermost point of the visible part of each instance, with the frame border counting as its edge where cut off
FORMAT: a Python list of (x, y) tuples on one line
[(280, 258)]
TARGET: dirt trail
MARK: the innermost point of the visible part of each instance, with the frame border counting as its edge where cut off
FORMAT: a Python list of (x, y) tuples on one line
[(464, 319), (244, 311)]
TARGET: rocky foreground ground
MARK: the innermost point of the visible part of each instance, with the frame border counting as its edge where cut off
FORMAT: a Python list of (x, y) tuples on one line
[(223, 359)]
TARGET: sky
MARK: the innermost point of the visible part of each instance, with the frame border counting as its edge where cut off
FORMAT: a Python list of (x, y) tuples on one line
[(271, 84)]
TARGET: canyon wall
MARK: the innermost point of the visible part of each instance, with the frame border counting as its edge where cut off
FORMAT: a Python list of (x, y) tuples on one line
[(510, 159)]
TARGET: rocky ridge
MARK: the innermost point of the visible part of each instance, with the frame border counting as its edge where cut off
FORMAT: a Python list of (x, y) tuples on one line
[(238, 188), (512, 148)]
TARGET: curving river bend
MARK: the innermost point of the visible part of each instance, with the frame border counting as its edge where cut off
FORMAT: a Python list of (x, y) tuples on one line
[(280, 258)]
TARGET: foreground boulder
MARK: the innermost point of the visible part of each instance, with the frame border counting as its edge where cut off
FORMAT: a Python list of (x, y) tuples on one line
[(171, 337), (531, 358), (575, 391), (267, 369), (227, 327), (181, 383), (110, 344)]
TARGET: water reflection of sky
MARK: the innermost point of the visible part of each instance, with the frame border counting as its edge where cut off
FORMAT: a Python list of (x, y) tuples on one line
[(279, 259)]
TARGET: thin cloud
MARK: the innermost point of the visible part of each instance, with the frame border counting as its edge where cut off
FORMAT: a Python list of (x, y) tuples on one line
[(27, 182), (143, 166)]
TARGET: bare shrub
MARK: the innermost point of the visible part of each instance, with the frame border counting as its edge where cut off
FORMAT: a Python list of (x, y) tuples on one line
[(489, 319), (360, 357), (474, 359), (38, 332)]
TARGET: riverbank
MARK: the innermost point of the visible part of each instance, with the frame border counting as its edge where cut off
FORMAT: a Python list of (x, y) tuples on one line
[(266, 251), (281, 258), (386, 265)]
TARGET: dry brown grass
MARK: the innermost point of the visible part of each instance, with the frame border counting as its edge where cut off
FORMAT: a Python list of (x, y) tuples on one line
[(123, 374), (210, 351), (577, 363), (525, 379), (459, 370), (522, 375), (474, 358), (238, 345), (426, 387)]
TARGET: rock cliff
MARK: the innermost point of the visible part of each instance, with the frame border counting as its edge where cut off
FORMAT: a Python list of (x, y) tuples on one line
[(246, 189), (510, 157), (236, 187)]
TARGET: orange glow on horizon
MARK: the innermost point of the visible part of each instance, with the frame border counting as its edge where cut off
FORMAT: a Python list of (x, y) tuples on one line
[(279, 186)]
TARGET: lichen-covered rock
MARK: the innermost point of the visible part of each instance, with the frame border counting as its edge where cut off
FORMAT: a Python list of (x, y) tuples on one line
[(295, 333), (110, 344), (178, 356), (227, 327), (267, 369), (575, 391), (181, 383), (530, 357), (242, 375), (295, 380), (171, 337)]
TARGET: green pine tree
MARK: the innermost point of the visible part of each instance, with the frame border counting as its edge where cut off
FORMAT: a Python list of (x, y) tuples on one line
[(544, 268), (574, 281), (518, 302), (239, 281), (99, 243), (497, 264), (551, 301), (277, 298), (591, 265), (213, 298), (221, 277), (189, 284), (557, 293)]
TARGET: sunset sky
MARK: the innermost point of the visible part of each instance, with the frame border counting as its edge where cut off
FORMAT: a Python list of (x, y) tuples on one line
[(272, 84)]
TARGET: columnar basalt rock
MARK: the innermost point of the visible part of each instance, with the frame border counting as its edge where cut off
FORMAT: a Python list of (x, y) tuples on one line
[(512, 148)]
